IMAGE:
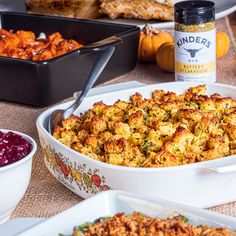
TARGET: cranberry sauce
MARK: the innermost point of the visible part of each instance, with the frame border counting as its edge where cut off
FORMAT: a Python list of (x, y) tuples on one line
[(13, 147)]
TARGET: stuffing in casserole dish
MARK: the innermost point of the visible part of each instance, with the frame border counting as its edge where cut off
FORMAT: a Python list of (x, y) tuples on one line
[(165, 130), (138, 224)]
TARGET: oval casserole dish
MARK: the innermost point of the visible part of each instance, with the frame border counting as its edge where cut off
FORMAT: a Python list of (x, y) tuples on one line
[(202, 184)]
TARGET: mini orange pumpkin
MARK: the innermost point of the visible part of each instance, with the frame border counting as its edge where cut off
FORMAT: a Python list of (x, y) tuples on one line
[(165, 57), (222, 44), (150, 40)]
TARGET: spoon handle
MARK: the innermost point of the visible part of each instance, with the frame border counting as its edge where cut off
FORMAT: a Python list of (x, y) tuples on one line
[(96, 71)]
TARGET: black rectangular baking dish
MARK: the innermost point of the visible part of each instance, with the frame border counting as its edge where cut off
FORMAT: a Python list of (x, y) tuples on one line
[(44, 83)]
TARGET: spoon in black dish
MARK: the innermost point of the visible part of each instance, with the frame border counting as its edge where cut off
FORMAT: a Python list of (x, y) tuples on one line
[(108, 47)]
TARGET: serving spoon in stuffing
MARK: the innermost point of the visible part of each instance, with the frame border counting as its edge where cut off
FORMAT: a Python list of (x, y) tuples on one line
[(107, 46)]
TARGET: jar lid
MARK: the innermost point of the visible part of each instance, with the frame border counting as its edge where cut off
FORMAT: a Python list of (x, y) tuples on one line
[(194, 12)]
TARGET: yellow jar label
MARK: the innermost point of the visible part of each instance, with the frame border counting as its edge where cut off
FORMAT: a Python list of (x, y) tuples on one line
[(195, 69), (195, 56)]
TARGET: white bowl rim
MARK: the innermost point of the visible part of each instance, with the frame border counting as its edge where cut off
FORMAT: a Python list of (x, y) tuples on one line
[(44, 115), (24, 159)]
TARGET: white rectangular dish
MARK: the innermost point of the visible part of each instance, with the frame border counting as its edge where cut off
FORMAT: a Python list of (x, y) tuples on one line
[(17, 225), (202, 184), (111, 202)]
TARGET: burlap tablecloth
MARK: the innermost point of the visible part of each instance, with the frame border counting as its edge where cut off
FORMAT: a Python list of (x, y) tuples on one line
[(45, 195)]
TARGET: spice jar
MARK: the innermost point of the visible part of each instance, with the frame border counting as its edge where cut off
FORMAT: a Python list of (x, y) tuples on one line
[(195, 41)]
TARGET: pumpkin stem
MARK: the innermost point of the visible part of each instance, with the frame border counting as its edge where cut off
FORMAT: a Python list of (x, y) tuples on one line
[(149, 30)]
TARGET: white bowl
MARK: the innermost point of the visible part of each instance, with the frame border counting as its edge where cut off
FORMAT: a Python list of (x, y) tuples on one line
[(14, 180), (202, 184)]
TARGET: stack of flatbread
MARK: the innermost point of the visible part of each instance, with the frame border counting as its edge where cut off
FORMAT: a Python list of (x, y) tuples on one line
[(139, 9)]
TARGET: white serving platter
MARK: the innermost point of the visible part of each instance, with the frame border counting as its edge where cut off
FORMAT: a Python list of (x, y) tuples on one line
[(109, 203), (223, 8)]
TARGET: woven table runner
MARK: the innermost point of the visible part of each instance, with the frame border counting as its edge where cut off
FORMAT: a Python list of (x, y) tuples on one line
[(45, 195)]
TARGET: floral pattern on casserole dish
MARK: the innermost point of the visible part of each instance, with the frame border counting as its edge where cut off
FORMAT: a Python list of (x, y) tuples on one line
[(74, 173)]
